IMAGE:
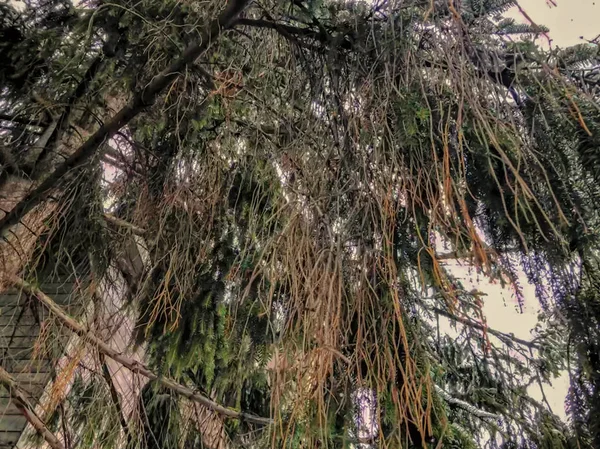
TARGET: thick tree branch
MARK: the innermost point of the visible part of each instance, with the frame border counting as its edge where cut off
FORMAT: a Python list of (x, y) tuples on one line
[(118, 164), (131, 364), (20, 400), (39, 147), (141, 100)]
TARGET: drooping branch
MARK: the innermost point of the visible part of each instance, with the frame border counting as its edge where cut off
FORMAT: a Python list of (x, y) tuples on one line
[(506, 338), (45, 147), (133, 365), (482, 414), (288, 31), (140, 101), (22, 403), (504, 78)]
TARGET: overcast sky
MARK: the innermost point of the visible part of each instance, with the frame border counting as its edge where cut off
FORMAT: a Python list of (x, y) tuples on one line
[(568, 20)]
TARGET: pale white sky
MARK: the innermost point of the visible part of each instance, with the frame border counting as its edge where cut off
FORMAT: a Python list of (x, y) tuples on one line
[(503, 312), (568, 20)]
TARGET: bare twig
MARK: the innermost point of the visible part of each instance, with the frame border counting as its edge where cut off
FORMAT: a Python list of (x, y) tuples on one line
[(22, 120), (125, 224)]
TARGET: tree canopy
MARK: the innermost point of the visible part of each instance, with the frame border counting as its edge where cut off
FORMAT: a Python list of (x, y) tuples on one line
[(296, 174)]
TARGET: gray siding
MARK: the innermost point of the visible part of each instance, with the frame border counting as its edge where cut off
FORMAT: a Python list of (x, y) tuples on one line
[(29, 342)]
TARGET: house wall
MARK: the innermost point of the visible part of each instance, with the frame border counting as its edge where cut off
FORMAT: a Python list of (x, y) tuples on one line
[(28, 343)]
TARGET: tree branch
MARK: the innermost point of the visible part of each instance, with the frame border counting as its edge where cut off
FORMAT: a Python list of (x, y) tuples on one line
[(141, 100), (44, 148), (114, 397), (131, 364), (482, 414), (501, 335), (125, 224), (22, 403), (21, 120), (288, 31)]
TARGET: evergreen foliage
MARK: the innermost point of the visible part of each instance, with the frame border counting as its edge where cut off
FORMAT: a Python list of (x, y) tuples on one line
[(294, 186)]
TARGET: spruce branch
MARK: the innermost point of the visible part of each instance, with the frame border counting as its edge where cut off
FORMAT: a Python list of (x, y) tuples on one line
[(291, 32), (141, 100), (133, 365), (482, 414), (506, 338)]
